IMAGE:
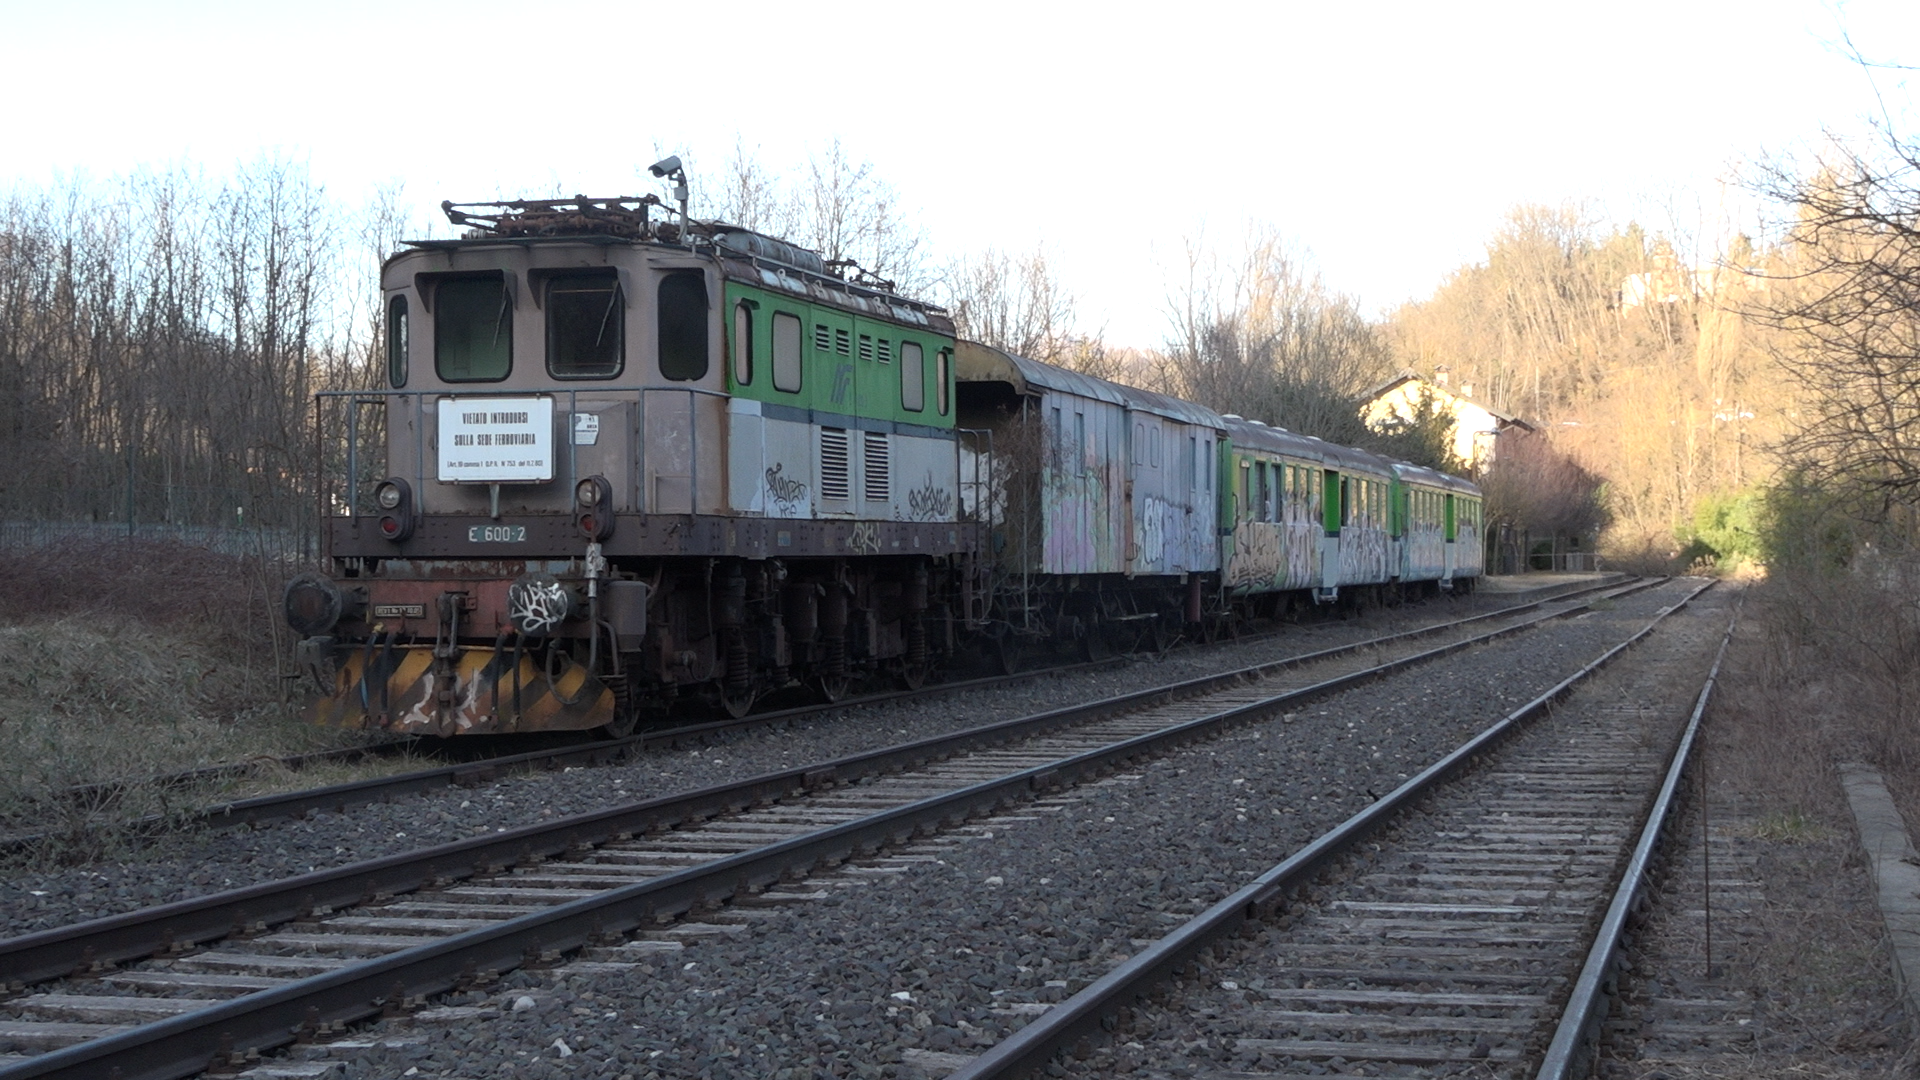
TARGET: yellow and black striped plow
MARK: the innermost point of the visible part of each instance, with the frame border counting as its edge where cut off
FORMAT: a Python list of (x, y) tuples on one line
[(480, 690)]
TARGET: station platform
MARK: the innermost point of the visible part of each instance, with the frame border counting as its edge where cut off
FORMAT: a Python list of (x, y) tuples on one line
[(1538, 585)]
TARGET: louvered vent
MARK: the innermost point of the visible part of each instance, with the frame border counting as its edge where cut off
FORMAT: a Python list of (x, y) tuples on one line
[(879, 474), (822, 338), (843, 341), (886, 351), (866, 348), (833, 464)]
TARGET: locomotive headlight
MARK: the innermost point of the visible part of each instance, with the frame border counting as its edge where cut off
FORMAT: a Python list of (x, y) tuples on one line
[(395, 499), (593, 507)]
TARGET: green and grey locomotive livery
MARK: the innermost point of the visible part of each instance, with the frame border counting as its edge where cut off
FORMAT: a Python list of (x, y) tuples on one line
[(621, 460), (620, 463)]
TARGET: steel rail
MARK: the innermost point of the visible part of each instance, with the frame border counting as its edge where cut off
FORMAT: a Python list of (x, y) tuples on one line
[(1029, 1050), (52, 953), (189, 1042), (59, 951), (338, 797), (1578, 1033)]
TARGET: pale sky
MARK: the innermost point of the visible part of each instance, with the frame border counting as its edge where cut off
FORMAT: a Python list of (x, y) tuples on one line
[(1385, 139)]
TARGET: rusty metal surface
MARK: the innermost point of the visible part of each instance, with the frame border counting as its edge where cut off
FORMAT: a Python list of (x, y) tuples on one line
[(556, 537), (405, 690)]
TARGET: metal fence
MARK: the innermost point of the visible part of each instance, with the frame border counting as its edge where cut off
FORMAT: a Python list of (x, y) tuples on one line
[(269, 543)]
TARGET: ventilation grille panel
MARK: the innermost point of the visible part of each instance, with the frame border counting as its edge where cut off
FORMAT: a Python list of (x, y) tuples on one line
[(879, 471), (833, 464)]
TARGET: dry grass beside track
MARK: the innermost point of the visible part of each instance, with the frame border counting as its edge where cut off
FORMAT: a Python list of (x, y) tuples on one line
[(121, 661), (1811, 679)]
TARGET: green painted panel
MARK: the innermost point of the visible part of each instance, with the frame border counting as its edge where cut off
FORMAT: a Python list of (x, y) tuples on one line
[(845, 367)]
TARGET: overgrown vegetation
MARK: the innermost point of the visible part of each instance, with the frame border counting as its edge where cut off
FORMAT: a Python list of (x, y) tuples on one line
[(126, 660)]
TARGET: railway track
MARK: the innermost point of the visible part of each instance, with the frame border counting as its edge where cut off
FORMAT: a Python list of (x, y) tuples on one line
[(1475, 934), (472, 770), (164, 992)]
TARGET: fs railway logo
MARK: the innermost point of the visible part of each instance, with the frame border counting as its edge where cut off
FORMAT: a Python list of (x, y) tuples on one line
[(842, 382)]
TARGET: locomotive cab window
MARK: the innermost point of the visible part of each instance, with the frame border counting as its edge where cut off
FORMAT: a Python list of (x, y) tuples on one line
[(913, 377), (472, 329), (786, 352), (397, 342), (941, 361), (586, 326), (683, 325), (743, 343)]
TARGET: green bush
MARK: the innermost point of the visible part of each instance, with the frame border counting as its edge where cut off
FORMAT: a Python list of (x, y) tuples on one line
[(1728, 529)]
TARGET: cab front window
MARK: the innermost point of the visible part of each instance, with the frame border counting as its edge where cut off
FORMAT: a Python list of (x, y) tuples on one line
[(472, 329), (586, 326)]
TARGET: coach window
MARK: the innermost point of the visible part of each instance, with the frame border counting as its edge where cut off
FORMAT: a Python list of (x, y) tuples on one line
[(683, 325), (586, 326), (472, 329), (742, 343), (397, 342), (786, 352), (913, 377)]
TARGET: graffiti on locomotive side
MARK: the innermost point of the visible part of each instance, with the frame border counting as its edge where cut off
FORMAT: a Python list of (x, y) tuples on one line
[(788, 493), (536, 605), (1363, 554), (930, 502), (1256, 555), (1302, 541), (864, 539), (1152, 537)]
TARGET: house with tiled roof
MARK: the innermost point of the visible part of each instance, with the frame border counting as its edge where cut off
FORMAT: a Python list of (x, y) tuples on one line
[(1476, 424)]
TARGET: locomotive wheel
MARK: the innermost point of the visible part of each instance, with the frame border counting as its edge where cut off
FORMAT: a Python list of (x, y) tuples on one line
[(737, 705), (1165, 633), (626, 712), (1095, 646), (832, 688), (1006, 653)]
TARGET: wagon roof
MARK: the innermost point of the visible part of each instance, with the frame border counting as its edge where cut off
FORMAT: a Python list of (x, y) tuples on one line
[(974, 362), (1276, 440), (1419, 474)]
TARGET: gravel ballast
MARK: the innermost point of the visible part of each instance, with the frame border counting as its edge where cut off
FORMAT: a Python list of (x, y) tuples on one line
[(195, 864), (882, 976)]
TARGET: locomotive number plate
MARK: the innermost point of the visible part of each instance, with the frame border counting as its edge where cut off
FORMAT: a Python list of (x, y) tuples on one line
[(497, 534), (399, 611)]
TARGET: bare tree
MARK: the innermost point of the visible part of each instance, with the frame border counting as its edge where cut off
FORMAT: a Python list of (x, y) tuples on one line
[(1012, 302), (749, 196), (1262, 336), (1535, 492), (1846, 304)]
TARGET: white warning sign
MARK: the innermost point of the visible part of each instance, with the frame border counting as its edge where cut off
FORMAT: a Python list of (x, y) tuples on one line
[(496, 440)]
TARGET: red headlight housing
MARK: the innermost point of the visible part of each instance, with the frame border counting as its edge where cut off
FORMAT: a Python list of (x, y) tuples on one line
[(593, 508), (394, 496)]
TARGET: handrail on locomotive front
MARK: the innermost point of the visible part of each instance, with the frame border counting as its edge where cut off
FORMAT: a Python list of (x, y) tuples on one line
[(356, 399)]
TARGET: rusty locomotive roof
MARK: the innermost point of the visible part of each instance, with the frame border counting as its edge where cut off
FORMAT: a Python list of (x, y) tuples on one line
[(975, 362), (744, 255)]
